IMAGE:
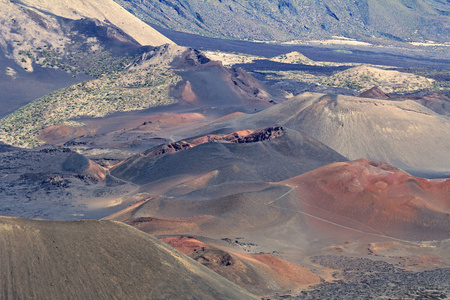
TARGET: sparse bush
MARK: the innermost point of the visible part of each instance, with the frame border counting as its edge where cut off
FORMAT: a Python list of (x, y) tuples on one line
[(124, 91)]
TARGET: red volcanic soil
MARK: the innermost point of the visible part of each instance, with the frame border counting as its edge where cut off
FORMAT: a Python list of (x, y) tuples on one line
[(374, 92), (377, 198), (157, 225), (95, 170), (138, 122), (184, 92), (184, 244), (437, 102), (78, 163), (61, 132), (287, 272), (243, 136), (187, 94), (258, 273)]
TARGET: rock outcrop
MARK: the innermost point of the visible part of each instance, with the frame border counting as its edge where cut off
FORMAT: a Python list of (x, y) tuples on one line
[(238, 137)]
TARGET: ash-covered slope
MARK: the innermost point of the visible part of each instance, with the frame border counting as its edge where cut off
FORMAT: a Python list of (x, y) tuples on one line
[(340, 207), (51, 23), (403, 133), (216, 85), (104, 11), (334, 203), (270, 154), (289, 19), (99, 260)]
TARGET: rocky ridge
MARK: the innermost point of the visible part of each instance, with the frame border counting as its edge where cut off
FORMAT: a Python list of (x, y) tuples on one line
[(239, 137)]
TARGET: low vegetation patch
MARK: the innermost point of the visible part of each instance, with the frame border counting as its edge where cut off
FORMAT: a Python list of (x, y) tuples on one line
[(122, 91), (362, 78)]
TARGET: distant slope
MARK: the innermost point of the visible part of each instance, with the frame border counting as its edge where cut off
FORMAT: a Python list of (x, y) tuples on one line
[(122, 91), (363, 77), (343, 78), (403, 133), (53, 29), (99, 260), (106, 11), (46, 45), (162, 76), (290, 20), (437, 102)]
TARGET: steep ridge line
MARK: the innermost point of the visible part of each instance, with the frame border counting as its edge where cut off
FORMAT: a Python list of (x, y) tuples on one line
[(105, 11)]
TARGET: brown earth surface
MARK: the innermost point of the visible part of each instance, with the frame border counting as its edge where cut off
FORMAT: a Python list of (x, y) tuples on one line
[(57, 133), (99, 260), (379, 197), (258, 273)]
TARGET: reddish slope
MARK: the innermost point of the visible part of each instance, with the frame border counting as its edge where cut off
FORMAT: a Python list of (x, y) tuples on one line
[(162, 226), (212, 84), (58, 133), (78, 163), (377, 198), (374, 92), (258, 273)]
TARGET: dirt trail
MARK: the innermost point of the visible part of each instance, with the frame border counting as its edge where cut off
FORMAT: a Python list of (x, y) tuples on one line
[(380, 234)]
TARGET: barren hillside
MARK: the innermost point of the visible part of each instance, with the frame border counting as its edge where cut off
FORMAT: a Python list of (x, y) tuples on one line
[(291, 20), (99, 260), (403, 133)]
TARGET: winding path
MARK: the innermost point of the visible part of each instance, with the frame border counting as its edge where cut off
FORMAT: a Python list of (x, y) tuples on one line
[(379, 234)]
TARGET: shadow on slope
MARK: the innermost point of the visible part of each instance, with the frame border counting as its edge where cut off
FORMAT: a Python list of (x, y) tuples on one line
[(275, 155)]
